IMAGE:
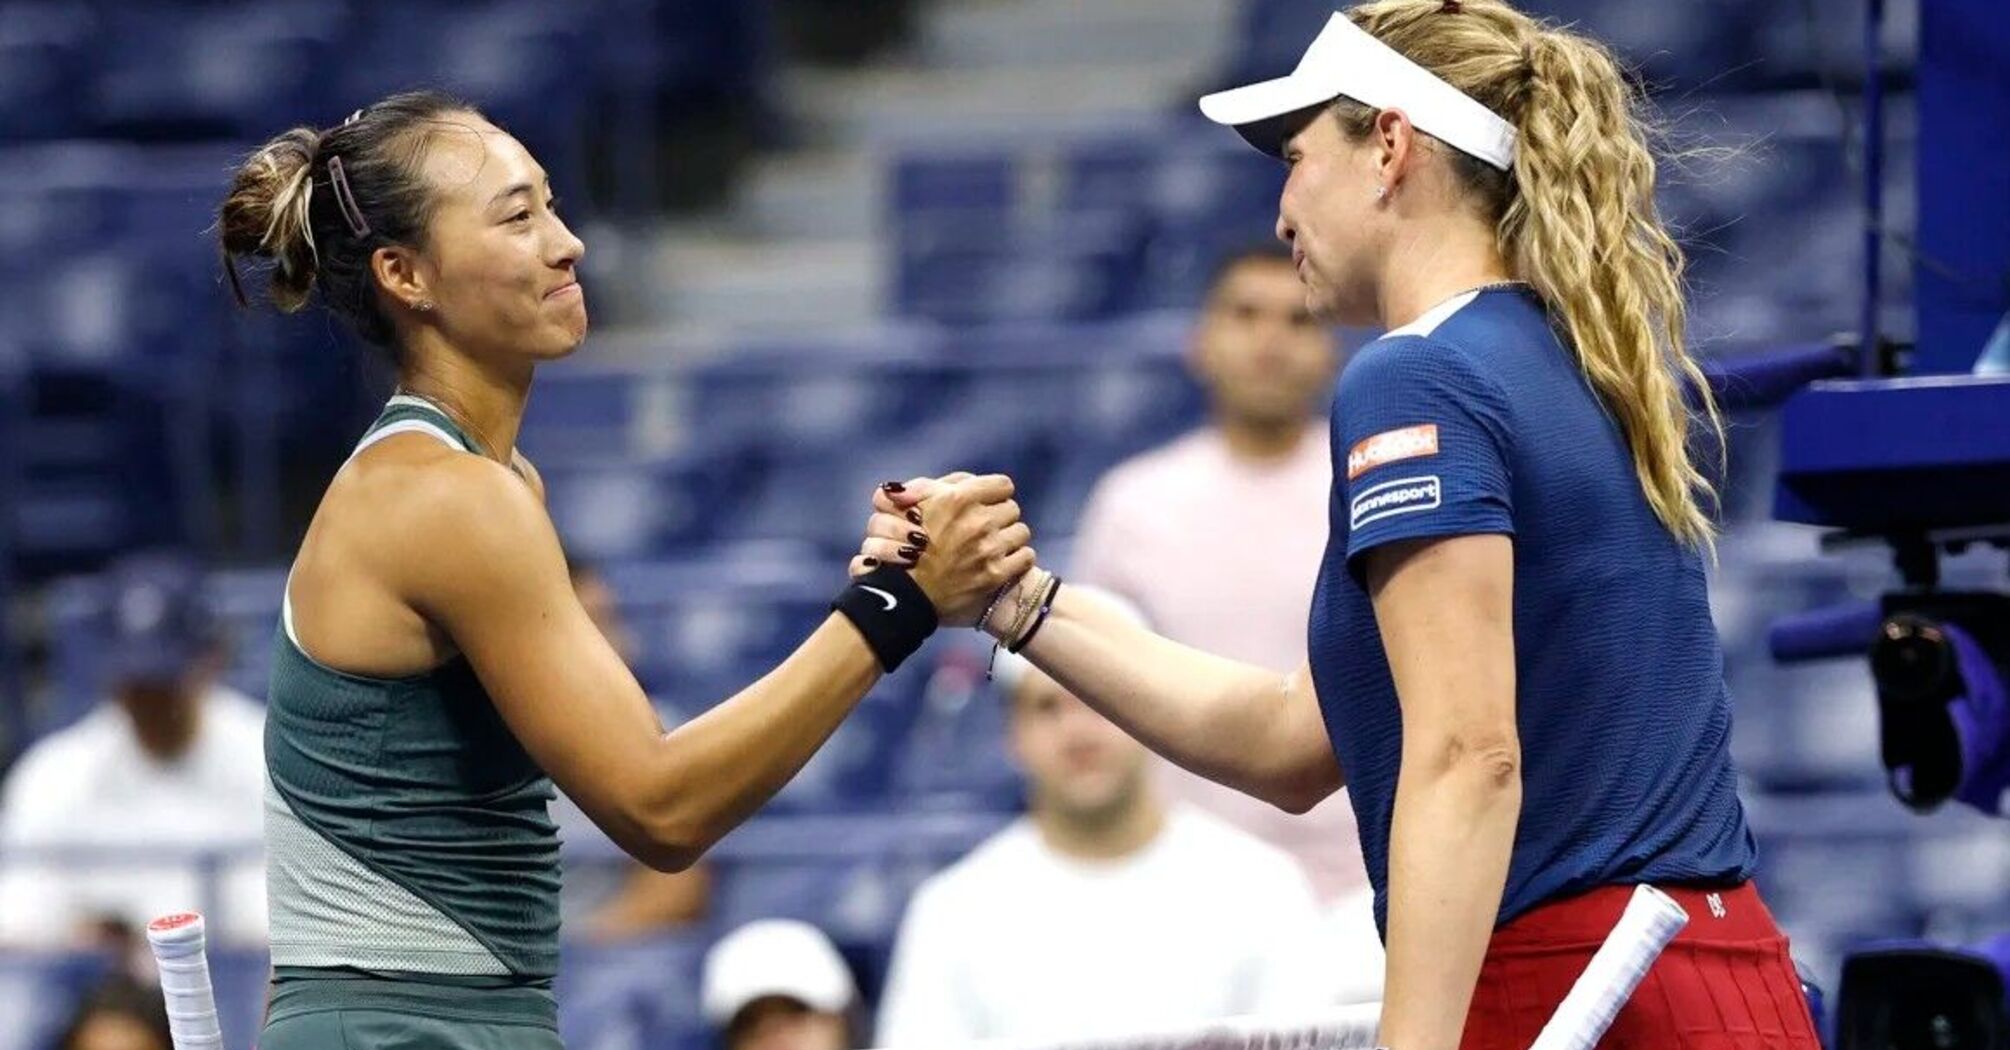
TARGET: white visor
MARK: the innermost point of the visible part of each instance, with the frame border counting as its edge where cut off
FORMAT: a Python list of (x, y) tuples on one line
[(1347, 60)]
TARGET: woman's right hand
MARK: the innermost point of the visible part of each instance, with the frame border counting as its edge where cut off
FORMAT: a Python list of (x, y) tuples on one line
[(970, 531)]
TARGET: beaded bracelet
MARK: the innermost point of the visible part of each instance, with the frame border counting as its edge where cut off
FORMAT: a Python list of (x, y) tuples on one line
[(1030, 596), (996, 597), (1046, 609)]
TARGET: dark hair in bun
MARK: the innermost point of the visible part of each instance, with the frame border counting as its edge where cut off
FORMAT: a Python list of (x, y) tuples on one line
[(315, 204)]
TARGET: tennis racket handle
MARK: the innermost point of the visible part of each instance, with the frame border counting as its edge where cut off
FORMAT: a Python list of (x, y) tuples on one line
[(178, 942), (1651, 920)]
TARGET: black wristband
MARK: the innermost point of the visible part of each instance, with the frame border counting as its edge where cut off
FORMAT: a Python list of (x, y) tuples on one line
[(891, 611)]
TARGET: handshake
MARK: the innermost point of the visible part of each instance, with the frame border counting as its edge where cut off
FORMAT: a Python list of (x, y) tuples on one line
[(960, 538)]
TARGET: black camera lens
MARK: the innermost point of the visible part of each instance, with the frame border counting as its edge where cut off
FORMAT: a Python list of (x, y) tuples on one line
[(1912, 661), (1914, 666)]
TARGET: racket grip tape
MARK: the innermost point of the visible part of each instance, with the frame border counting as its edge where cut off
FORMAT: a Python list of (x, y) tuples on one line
[(178, 943)]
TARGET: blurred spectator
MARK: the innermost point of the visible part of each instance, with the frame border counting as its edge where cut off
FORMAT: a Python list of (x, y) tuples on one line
[(640, 901), (120, 1014), (1218, 536), (1995, 357), (1103, 909), (170, 763), (779, 984)]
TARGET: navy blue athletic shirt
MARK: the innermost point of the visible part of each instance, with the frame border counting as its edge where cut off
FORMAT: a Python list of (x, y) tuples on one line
[(1475, 419)]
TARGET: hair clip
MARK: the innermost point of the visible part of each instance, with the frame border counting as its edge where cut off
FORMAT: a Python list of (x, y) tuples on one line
[(354, 117), (345, 201), (1452, 7)]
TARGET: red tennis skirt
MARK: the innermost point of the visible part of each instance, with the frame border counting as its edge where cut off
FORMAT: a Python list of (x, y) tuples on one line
[(1726, 982)]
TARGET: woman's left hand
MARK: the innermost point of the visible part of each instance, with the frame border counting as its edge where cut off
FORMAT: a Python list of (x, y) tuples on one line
[(894, 533)]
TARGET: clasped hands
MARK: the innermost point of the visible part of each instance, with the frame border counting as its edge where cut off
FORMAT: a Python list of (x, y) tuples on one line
[(960, 536)]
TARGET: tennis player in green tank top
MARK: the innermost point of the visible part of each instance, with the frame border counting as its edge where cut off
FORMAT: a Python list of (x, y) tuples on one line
[(433, 673)]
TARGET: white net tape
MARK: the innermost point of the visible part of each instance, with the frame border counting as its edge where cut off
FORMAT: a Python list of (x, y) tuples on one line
[(1347, 1028), (1651, 920)]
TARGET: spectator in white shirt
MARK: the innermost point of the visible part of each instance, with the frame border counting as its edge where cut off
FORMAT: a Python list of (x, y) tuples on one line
[(170, 764), (1103, 909)]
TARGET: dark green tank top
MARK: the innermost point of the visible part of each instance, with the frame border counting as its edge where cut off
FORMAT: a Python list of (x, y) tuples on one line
[(406, 827)]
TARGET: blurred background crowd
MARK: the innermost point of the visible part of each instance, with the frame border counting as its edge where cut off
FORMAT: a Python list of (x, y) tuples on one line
[(831, 242)]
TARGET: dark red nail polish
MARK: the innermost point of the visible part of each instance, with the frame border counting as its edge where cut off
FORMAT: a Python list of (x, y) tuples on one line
[(919, 539), (893, 488), (914, 515), (910, 553), (870, 563)]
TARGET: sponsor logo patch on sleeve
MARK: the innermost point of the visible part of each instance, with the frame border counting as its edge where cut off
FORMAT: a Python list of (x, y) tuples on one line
[(1390, 446), (1390, 498)]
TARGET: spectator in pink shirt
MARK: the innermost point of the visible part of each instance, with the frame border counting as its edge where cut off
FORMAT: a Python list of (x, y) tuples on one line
[(1218, 535)]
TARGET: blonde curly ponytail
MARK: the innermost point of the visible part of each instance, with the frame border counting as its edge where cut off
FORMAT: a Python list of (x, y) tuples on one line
[(1577, 220)]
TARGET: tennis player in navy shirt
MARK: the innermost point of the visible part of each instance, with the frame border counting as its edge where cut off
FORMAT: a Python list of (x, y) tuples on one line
[(1473, 420), (1511, 660)]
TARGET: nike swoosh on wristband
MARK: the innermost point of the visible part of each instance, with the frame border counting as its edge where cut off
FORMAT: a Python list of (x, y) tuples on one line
[(891, 601)]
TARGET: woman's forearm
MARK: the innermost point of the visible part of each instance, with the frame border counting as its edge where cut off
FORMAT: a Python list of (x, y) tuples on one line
[(1238, 724), (1453, 830), (723, 765)]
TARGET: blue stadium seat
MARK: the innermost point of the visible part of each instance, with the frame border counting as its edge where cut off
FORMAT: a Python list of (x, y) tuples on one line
[(246, 605), (44, 54), (583, 415), (1078, 267), (970, 186), (527, 64), (110, 291), (705, 48), (718, 611), (808, 401), (854, 901), (80, 631), (1273, 35), (955, 756), (194, 71), (636, 994), (1170, 171), (623, 509)]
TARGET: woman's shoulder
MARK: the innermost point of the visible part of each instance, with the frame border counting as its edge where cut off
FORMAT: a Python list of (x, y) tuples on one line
[(414, 506), (1480, 333), (1411, 366), (416, 474)]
